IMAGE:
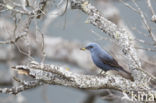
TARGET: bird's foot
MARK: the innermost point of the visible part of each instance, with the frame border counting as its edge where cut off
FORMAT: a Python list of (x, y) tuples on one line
[(102, 73)]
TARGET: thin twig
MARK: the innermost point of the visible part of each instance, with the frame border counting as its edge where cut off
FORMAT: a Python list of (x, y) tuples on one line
[(150, 7), (13, 41), (145, 21)]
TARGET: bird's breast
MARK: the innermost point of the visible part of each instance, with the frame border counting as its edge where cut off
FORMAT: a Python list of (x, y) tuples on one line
[(97, 61)]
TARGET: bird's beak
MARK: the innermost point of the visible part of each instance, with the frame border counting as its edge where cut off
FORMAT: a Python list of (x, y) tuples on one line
[(82, 48)]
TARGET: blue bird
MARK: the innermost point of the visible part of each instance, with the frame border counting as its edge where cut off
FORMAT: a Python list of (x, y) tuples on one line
[(105, 61)]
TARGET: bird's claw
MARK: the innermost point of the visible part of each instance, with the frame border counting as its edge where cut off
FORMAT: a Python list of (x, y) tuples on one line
[(102, 73)]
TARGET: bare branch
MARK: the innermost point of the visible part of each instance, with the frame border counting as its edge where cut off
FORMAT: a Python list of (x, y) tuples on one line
[(55, 75), (150, 7), (145, 22), (15, 90), (52, 74), (140, 12), (13, 41)]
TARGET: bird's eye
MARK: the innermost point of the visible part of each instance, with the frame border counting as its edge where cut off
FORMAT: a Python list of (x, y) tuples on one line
[(91, 47)]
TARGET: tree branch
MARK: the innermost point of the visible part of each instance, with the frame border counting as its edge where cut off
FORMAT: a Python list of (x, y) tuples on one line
[(23, 87), (51, 74)]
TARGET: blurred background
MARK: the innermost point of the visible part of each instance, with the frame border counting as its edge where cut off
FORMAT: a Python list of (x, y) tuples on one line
[(63, 31)]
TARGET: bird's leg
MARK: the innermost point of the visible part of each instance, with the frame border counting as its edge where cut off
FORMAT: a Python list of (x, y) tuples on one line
[(101, 72)]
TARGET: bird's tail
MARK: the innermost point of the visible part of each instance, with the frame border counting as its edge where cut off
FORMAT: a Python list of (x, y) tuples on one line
[(125, 74)]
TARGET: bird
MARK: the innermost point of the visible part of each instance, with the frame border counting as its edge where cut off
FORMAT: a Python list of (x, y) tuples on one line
[(105, 61)]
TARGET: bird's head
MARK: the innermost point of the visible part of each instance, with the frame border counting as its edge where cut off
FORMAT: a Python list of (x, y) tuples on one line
[(91, 47)]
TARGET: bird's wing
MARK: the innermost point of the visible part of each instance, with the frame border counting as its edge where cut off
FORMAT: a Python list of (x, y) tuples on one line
[(110, 61)]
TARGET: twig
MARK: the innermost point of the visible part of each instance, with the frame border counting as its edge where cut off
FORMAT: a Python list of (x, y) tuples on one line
[(145, 22), (16, 90), (150, 7), (129, 6), (139, 11), (147, 49), (13, 41)]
